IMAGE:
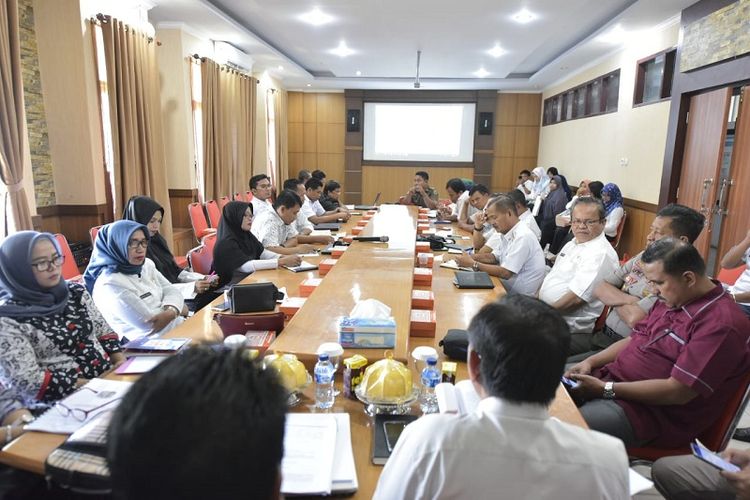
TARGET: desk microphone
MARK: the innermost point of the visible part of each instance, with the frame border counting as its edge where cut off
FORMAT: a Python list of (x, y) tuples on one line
[(382, 239)]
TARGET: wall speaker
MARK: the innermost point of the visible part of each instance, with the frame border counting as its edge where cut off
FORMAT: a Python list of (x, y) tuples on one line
[(352, 120), (485, 123)]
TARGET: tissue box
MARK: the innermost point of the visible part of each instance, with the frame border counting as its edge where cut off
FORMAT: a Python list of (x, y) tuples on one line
[(367, 217), (422, 299), (422, 323), (430, 259), (290, 305), (372, 212), (356, 230), (326, 265), (367, 333), (308, 286), (422, 276), (338, 251), (421, 247), (424, 210), (347, 239), (421, 228)]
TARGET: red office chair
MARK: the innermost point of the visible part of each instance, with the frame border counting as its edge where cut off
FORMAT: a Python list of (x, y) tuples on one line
[(729, 276), (93, 232), (240, 197), (715, 438), (620, 228), (181, 261), (222, 202), (601, 320), (70, 270), (198, 221), (214, 213), (201, 258)]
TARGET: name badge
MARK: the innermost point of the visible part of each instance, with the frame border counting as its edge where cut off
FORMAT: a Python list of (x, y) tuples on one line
[(147, 294)]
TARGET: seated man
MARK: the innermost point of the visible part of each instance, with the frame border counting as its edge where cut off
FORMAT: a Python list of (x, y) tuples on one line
[(161, 446), (519, 260), (508, 447), (275, 228), (626, 290), (735, 257), (493, 242), (525, 184), (320, 175), (304, 175), (669, 381), (459, 197), (479, 195), (421, 193), (260, 186), (581, 265), (689, 478), (302, 226), (313, 210)]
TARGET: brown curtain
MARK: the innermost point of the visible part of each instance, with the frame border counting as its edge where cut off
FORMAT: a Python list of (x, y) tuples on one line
[(228, 104), (282, 139), (12, 122), (135, 113)]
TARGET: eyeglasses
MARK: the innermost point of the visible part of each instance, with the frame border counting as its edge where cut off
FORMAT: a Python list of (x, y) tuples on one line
[(48, 265), (81, 414), (585, 223), (133, 244)]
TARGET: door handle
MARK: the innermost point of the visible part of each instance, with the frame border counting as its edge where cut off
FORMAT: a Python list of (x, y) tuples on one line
[(721, 208), (706, 185)]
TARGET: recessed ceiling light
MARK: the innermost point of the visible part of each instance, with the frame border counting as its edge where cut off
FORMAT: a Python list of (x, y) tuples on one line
[(309, 84), (496, 51), (523, 16), (316, 17), (358, 73), (614, 36), (280, 68), (342, 50), (481, 73)]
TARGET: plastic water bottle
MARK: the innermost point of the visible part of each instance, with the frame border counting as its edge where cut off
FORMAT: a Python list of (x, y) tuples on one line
[(324, 382), (430, 378)]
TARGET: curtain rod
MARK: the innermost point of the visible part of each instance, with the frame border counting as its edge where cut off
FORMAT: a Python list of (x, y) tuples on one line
[(226, 67), (100, 19)]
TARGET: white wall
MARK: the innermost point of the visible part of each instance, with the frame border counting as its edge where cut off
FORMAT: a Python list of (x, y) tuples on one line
[(593, 147)]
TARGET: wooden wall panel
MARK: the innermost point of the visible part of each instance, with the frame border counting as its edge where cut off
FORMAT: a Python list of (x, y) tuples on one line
[(330, 138), (309, 137), (330, 108), (516, 138), (393, 182), (505, 140), (529, 109), (507, 109), (294, 107), (296, 144), (527, 142), (310, 108), (503, 177), (636, 227)]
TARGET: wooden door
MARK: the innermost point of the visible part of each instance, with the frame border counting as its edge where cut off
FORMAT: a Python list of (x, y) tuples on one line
[(735, 202), (701, 163)]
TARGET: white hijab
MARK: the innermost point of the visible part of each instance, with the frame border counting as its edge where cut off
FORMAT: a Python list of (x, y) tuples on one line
[(541, 184)]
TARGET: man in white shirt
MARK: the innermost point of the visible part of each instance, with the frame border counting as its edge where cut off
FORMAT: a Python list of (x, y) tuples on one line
[(260, 186), (519, 260), (302, 226), (525, 184), (479, 195), (508, 447), (494, 239), (458, 195), (313, 210), (275, 228), (580, 266)]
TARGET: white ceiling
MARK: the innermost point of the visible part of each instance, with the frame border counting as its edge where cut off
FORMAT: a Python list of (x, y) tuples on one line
[(385, 34)]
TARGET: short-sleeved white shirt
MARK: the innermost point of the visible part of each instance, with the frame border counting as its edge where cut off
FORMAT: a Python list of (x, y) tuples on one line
[(311, 208), (579, 268), (462, 200), (530, 221), (260, 206), (521, 254), (270, 230), (742, 284), (301, 223)]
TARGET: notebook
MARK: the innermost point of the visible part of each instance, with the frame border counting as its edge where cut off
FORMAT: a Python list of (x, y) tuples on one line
[(304, 266), (146, 346), (468, 279)]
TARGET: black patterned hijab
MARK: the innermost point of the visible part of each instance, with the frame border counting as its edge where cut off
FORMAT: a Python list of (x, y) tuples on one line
[(234, 246)]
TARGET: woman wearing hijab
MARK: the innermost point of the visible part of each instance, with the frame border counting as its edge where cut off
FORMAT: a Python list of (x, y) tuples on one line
[(541, 183), (553, 205), (130, 292), (551, 172), (52, 336), (193, 286), (238, 252), (613, 211)]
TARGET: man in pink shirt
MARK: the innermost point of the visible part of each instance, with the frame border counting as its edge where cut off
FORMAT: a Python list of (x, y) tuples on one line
[(669, 381)]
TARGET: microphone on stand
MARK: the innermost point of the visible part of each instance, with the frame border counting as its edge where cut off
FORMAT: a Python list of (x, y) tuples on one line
[(381, 239)]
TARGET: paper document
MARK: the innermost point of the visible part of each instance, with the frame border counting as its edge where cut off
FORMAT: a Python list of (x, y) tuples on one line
[(71, 413), (139, 364), (283, 293), (637, 482), (320, 232), (304, 266), (309, 445), (461, 398), (451, 264), (344, 472)]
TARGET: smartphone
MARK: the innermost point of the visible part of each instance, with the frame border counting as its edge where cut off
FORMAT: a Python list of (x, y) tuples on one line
[(712, 458), (569, 382), (393, 429)]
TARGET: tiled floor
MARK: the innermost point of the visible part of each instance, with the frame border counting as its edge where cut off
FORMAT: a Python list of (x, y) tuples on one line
[(652, 494)]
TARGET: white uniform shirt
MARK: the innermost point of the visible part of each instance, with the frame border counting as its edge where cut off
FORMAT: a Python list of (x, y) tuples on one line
[(302, 223), (579, 268), (462, 200), (310, 208), (186, 284), (612, 221), (742, 284), (128, 301), (529, 184), (530, 221), (260, 206), (270, 230), (521, 254), (503, 450)]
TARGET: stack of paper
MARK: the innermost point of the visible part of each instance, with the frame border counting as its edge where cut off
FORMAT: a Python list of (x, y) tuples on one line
[(318, 456)]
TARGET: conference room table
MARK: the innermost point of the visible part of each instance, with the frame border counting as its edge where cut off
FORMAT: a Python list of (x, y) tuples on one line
[(383, 271)]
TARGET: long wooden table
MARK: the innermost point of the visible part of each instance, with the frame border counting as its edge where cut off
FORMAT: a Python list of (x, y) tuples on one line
[(366, 270)]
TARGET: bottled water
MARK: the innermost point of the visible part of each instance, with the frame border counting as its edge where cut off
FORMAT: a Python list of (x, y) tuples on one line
[(430, 378), (324, 382)]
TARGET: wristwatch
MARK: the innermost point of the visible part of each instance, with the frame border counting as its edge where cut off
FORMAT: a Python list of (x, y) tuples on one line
[(475, 266), (609, 390), (478, 228)]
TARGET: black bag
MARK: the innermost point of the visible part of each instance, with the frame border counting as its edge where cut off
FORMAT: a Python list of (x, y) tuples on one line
[(455, 344), (254, 297), (436, 242)]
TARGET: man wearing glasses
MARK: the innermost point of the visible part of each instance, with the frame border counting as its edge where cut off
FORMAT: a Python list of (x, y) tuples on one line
[(580, 266), (260, 186)]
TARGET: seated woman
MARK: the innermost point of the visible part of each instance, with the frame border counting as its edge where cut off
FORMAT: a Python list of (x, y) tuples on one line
[(238, 252), (194, 286), (551, 172), (131, 294), (52, 336), (330, 198), (613, 210), (540, 187), (553, 205)]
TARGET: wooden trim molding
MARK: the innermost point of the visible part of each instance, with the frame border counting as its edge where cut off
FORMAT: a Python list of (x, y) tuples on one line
[(183, 193), (57, 210), (649, 207)]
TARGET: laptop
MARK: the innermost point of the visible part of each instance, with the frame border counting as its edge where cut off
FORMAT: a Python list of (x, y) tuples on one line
[(470, 279), (369, 207)]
